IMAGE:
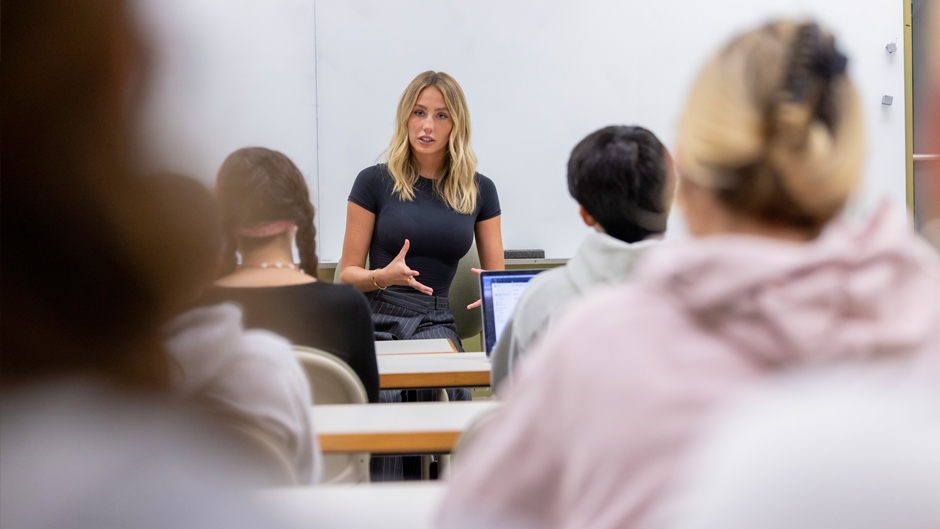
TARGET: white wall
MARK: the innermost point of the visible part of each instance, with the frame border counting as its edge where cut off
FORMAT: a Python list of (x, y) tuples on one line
[(227, 74), (538, 75)]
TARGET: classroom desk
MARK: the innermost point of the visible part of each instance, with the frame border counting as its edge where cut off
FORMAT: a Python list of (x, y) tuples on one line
[(395, 428), (404, 347), (367, 506), (446, 370)]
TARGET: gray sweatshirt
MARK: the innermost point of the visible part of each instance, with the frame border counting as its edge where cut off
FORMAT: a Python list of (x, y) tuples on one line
[(600, 259)]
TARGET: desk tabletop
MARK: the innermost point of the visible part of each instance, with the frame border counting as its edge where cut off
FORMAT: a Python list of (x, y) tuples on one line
[(395, 428), (367, 506), (444, 370), (398, 347)]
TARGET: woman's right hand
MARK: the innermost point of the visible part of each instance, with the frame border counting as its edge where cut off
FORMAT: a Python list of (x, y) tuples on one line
[(398, 273)]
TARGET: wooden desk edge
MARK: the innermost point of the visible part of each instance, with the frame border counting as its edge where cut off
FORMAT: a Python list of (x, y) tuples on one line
[(389, 443), (456, 379)]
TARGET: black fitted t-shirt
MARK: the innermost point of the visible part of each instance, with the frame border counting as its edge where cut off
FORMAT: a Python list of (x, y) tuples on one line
[(439, 235), (335, 318)]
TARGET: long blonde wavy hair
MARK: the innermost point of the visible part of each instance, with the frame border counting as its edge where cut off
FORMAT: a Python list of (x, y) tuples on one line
[(457, 186), (774, 127)]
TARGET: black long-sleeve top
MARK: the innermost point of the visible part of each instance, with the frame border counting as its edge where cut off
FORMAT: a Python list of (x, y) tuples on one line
[(335, 318)]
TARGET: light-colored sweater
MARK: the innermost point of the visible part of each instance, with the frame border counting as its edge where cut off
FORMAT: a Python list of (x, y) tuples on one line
[(600, 260), (251, 374), (850, 447), (594, 428)]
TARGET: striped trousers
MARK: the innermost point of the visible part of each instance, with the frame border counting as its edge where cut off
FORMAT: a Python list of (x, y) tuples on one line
[(409, 316)]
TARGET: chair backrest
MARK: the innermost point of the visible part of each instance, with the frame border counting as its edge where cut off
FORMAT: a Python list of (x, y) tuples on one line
[(464, 290), (339, 266), (276, 463), (332, 381)]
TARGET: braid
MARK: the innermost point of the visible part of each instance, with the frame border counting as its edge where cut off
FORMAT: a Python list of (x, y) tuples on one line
[(258, 185), (306, 241)]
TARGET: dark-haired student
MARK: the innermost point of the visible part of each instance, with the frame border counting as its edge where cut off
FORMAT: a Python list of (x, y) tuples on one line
[(265, 207), (623, 180), (246, 377)]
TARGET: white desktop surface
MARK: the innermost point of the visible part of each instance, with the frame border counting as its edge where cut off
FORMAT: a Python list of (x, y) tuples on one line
[(448, 370), (395, 347), (433, 363), (405, 427), (398, 417), (365, 506)]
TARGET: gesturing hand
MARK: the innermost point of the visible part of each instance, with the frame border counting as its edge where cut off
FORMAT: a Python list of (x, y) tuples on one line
[(478, 302), (398, 273)]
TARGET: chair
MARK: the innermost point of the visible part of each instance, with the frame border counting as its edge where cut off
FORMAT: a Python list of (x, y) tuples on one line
[(465, 439), (270, 454), (464, 290), (339, 266), (332, 381)]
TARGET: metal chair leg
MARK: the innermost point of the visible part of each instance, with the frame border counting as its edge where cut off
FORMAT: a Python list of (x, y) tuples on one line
[(426, 467)]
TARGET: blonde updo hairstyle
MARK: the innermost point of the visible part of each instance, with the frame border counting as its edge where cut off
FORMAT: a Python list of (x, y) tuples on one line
[(774, 128), (457, 186)]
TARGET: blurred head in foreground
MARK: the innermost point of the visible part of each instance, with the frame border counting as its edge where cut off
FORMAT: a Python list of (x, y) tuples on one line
[(89, 276), (81, 281), (192, 244), (772, 137)]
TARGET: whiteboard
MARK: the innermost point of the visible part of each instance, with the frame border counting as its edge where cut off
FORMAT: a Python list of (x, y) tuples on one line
[(538, 76), (227, 74)]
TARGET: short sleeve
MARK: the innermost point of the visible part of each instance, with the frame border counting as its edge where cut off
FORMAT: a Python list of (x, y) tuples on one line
[(366, 189), (488, 199)]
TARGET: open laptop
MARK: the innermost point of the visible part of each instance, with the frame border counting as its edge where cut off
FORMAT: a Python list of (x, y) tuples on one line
[(500, 290)]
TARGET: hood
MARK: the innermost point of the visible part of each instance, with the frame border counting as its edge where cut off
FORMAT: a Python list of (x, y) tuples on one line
[(202, 340), (604, 259), (857, 290)]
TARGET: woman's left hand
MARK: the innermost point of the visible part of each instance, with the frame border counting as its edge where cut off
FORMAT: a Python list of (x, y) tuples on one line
[(490, 247), (478, 302)]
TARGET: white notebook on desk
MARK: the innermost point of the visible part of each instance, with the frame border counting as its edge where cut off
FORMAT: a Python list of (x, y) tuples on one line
[(400, 347)]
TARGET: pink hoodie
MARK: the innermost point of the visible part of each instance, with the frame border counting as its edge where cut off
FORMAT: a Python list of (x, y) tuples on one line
[(594, 428)]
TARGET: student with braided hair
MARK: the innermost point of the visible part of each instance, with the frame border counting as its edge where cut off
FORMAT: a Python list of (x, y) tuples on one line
[(265, 207), (594, 427)]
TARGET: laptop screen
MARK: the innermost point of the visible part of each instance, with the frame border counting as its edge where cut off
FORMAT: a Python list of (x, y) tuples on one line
[(500, 291)]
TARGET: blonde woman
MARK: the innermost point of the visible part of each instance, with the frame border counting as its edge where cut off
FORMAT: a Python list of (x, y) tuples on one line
[(770, 146), (417, 215)]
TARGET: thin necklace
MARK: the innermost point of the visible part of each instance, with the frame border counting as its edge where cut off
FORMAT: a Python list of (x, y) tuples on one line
[(276, 265)]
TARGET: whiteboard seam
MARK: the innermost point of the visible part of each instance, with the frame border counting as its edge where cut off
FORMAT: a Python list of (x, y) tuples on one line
[(316, 105)]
